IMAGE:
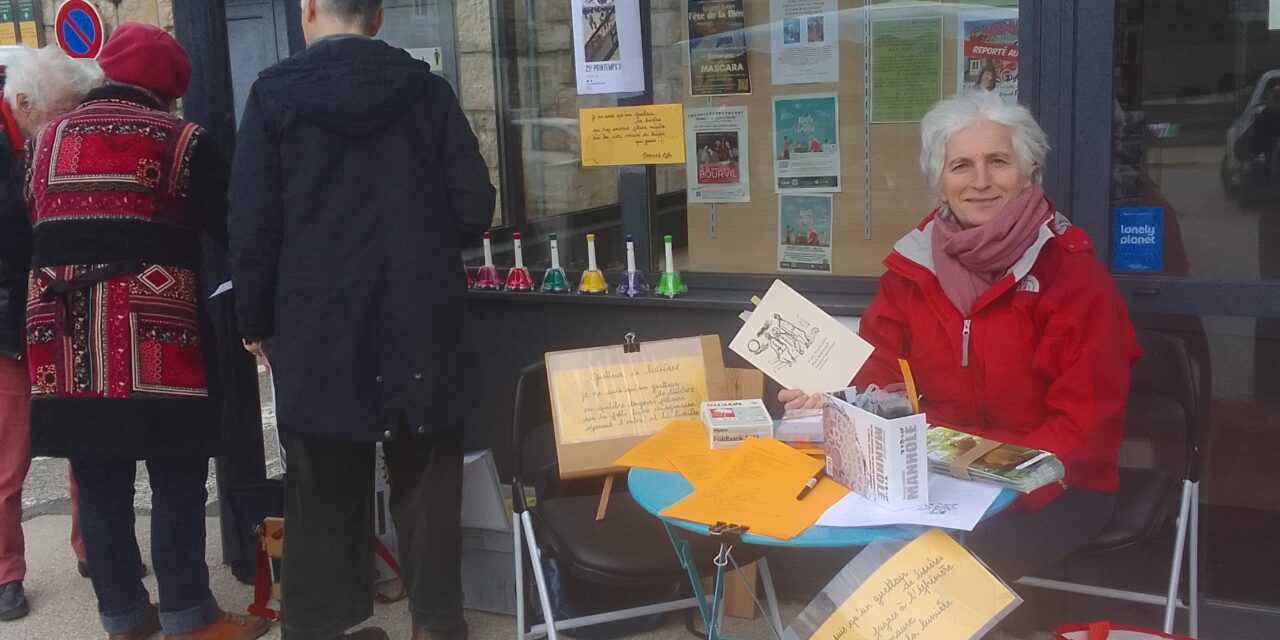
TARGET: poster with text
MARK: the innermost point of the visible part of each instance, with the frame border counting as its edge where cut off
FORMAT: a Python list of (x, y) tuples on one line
[(988, 54), (606, 46), (804, 41), (806, 144), (718, 48), (804, 233), (716, 155), (906, 68)]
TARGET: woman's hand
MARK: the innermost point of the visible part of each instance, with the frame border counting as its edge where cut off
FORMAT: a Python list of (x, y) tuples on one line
[(793, 399)]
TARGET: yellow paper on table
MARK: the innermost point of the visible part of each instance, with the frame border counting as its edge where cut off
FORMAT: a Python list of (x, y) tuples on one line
[(680, 437), (649, 134), (757, 488), (698, 468), (932, 589)]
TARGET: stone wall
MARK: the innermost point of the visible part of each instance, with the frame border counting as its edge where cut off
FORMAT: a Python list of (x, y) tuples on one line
[(476, 82)]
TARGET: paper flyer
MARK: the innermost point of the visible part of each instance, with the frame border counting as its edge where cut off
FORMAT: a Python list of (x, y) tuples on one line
[(717, 166), (906, 68), (806, 144), (797, 344), (953, 504), (930, 588), (606, 46), (718, 48), (988, 53), (804, 41), (804, 233)]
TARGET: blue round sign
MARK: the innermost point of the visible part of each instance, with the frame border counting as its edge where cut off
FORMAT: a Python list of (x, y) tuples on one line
[(78, 28)]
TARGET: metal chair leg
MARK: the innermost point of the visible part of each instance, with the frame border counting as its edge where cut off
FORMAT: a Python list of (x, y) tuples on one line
[(535, 555), (1179, 548), (1193, 594), (519, 556), (771, 596)]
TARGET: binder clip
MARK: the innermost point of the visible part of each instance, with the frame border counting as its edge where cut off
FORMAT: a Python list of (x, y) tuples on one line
[(670, 284), (518, 278), (554, 281), (629, 344), (633, 282), (487, 276), (593, 281), (728, 532)]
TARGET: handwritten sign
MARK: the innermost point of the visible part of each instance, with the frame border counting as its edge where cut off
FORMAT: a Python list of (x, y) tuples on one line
[(604, 400), (932, 589), (628, 399), (652, 134)]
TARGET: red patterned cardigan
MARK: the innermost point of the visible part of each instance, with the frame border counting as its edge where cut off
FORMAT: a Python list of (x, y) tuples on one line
[(118, 194)]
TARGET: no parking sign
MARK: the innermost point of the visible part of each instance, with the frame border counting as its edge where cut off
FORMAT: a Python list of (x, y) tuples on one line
[(78, 28)]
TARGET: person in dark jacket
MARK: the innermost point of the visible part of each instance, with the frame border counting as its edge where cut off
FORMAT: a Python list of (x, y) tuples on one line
[(357, 180), (119, 193), (39, 85)]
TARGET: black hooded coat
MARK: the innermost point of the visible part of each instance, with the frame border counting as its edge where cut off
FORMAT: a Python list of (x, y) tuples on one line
[(356, 182)]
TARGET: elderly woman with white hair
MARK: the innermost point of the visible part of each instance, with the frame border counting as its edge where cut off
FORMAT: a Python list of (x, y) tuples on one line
[(1013, 328)]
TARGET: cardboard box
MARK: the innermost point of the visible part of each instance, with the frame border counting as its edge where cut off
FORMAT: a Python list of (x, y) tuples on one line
[(729, 422)]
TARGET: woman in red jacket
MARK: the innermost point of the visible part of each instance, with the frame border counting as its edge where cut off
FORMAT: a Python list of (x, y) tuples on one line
[(1013, 328)]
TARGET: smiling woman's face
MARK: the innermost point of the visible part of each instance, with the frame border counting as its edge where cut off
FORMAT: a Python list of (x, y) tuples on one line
[(981, 173)]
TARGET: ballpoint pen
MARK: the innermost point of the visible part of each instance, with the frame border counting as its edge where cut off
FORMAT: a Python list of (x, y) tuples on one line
[(813, 482)]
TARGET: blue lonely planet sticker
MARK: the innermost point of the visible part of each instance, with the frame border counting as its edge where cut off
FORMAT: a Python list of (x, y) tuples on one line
[(1137, 239)]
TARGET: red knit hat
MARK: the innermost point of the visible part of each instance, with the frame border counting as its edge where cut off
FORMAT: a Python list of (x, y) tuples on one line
[(144, 55)]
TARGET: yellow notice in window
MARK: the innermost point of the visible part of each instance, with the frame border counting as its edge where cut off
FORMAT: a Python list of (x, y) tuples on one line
[(650, 134), (933, 589), (629, 399)]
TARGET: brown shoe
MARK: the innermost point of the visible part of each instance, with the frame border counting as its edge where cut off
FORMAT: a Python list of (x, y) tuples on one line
[(367, 633), (149, 626), (228, 626)]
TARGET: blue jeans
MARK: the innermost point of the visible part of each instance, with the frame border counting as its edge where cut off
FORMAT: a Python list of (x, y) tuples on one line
[(177, 542)]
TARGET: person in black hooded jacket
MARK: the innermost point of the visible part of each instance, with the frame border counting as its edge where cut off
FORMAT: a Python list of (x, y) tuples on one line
[(357, 181)]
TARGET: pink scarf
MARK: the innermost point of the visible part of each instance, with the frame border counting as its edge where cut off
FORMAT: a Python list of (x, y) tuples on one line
[(969, 261)]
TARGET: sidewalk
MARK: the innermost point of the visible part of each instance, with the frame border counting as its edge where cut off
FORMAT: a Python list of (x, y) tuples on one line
[(63, 606)]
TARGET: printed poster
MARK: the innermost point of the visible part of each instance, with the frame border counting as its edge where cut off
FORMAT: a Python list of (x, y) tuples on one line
[(716, 155), (718, 48), (606, 46), (1137, 236), (906, 68), (988, 53), (806, 144), (804, 233), (804, 41)]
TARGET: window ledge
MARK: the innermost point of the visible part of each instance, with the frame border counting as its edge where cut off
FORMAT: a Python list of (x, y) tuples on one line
[(730, 300)]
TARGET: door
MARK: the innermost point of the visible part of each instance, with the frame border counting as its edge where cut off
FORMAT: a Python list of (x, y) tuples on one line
[(258, 37)]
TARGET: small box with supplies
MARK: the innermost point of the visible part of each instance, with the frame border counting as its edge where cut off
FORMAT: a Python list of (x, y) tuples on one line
[(729, 422)]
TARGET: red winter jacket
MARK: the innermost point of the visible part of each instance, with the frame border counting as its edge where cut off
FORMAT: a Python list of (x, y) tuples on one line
[(1041, 361)]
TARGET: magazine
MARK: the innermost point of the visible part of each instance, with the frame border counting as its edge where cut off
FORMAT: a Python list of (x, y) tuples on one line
[(1007, 465)]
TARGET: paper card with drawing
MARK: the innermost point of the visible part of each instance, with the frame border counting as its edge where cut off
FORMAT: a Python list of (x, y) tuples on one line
[(798, 345), (953, 504)]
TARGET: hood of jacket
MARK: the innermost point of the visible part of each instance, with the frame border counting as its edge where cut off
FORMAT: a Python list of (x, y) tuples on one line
[(352, 86)]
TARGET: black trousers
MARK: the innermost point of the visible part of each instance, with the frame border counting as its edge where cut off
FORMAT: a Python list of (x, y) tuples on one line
[(327, 568)]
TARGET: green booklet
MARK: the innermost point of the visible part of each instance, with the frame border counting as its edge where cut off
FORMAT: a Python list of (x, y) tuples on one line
[(1008, 465)]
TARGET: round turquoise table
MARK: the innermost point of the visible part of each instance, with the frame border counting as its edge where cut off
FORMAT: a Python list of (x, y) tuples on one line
[(657, 490)]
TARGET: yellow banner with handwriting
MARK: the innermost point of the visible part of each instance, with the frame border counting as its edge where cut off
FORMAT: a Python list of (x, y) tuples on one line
[(933, 589), (633, 399), (650, 134)]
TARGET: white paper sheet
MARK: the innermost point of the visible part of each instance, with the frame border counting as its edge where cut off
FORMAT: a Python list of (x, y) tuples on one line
[(606, 46), (804, 38), (953, 504), (797, 344)]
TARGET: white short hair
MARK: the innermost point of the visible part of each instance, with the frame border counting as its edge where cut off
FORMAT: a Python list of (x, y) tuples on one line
[(48, 74), (952, 114)]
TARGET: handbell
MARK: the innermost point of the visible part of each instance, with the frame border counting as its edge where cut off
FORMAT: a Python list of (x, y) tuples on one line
[(633, 282), (593, 281), (518, 278), (487, 276), (670, 284), (554, 280)]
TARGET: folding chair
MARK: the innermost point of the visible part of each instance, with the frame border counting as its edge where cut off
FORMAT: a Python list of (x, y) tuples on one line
[(628, 548), (1165, 399)]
